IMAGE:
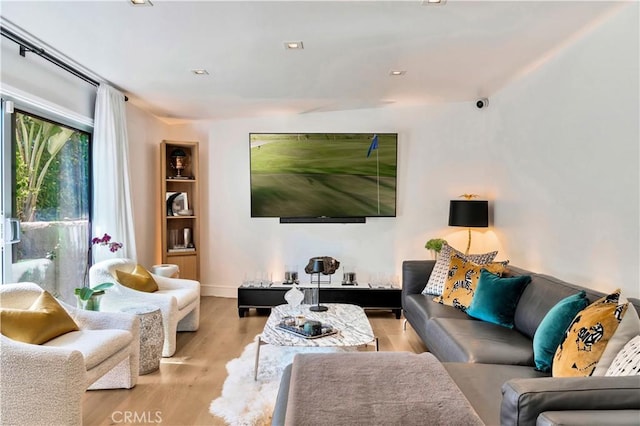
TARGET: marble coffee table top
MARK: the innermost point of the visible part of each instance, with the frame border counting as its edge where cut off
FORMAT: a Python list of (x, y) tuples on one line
[(351, 321)]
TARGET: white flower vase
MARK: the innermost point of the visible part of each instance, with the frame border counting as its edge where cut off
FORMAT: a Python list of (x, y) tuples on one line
[(294, 297)]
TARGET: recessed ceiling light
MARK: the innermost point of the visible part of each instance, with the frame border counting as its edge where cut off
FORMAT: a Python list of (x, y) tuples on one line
[(433, 2), (397, 72), (141, 2), (291, 45), (200, 72)]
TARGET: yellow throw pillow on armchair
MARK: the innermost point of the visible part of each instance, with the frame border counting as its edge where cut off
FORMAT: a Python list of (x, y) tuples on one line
[(462, 279), (586, 338), (44, 320), (140, 279)]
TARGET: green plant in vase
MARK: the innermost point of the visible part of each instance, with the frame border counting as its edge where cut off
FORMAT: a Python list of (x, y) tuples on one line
[(89, 298), (435, 245)]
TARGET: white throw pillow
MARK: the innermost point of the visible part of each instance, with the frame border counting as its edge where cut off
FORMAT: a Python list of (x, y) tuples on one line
[(627, 361), (628, 328), (438, 276)]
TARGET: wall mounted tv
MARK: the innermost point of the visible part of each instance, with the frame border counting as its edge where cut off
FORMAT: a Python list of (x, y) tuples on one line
[(323, 177)]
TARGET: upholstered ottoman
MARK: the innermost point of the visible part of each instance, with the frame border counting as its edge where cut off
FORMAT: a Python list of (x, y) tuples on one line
[(151, 336), (391, 388)]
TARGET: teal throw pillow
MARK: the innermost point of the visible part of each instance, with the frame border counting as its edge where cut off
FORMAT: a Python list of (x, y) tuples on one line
[(550, 332), (496, 298)]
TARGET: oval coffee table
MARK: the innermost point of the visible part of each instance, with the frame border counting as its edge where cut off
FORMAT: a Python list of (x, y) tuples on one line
[(351, 322)]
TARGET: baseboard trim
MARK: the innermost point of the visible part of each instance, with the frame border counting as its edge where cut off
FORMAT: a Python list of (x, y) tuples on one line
[(218, 291)]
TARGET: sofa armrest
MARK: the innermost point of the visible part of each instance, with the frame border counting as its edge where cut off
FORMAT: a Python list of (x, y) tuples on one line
[(589, 418), (523, 400), (166, 283), (40, 384), (415, 274), (99, 320)]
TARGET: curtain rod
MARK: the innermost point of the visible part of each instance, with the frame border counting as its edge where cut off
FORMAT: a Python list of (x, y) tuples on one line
[(26, 46)]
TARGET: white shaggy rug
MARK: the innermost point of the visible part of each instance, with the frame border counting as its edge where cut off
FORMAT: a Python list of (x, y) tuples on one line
[(245, 401)]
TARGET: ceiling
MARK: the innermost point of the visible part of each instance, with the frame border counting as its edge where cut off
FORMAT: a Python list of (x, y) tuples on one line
[(457, 51)]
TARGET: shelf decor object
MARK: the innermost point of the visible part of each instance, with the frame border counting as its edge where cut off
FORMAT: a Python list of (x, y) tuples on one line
[(469, 213), (178, 161), (180, 218)]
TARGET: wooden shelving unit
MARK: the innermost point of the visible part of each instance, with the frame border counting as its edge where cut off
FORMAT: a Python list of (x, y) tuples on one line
[(176, 220)]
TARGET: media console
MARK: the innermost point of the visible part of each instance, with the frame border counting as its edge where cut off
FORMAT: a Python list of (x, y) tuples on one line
[(384, 298)]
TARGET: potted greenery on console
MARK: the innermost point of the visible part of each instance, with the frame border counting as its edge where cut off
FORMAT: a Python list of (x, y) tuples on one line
[(89, 298), (435, 245)]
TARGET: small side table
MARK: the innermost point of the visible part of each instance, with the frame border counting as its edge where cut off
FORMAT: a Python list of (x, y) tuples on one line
[(151, 336)]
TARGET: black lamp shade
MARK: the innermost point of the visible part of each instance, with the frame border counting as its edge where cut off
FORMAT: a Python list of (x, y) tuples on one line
[(469, 213), (318, 266)]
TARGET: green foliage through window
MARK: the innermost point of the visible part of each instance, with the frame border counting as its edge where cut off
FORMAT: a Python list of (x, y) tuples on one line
[(52, 170)]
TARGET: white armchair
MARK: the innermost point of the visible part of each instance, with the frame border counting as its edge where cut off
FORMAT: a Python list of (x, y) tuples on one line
[(178, 299), (44, 384)]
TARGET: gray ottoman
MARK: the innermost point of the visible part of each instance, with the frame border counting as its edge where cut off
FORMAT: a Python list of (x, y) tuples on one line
[(151, 336), (378, 388)]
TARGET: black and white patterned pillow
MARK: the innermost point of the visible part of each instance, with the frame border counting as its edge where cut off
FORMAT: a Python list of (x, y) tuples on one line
[(627, 362), (438, 276)]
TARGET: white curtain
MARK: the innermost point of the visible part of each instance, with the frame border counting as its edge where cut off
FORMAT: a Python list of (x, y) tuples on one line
[(112, 202)]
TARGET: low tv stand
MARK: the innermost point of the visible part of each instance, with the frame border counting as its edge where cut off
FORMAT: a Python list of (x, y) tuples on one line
[(264, 298)]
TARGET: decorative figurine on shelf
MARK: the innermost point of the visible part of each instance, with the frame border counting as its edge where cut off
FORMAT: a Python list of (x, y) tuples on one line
[(179, 162)]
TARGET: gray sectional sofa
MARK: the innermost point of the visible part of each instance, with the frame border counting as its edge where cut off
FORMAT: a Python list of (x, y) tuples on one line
[(493, 366)]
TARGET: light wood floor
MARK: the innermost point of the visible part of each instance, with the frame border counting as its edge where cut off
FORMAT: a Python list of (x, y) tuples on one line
[(181, 391)]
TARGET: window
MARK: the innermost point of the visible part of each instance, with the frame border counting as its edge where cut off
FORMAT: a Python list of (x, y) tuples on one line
[(51, 198)]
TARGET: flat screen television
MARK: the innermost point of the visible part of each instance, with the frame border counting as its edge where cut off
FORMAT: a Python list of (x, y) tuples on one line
[(323, 175)]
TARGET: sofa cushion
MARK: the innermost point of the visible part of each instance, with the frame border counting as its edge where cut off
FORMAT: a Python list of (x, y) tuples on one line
[(438, 276), (44, 320), (461, 340), (627, 361), (551, 330), (542, 293), (481, 384), (495, 298), (587, 336), (462, 280), (94, 345), (426, 308)]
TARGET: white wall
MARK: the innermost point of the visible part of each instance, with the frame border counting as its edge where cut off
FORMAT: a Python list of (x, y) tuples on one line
[(145, 133), (566, 152), (440, 157), (556, 153)]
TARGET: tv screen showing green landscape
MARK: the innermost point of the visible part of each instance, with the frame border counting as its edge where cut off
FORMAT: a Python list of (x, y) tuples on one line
[(311, 175)]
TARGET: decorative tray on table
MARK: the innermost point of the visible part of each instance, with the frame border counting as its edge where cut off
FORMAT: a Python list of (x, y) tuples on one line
[(308, 329)]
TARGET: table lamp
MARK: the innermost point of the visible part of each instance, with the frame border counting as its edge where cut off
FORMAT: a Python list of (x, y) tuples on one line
[(469, 213), (317, 268)]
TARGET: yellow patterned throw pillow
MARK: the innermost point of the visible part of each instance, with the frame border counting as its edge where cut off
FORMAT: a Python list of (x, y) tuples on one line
[(586, 338), (462, 279), (435, 284), (44, 320), (140, 279)]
